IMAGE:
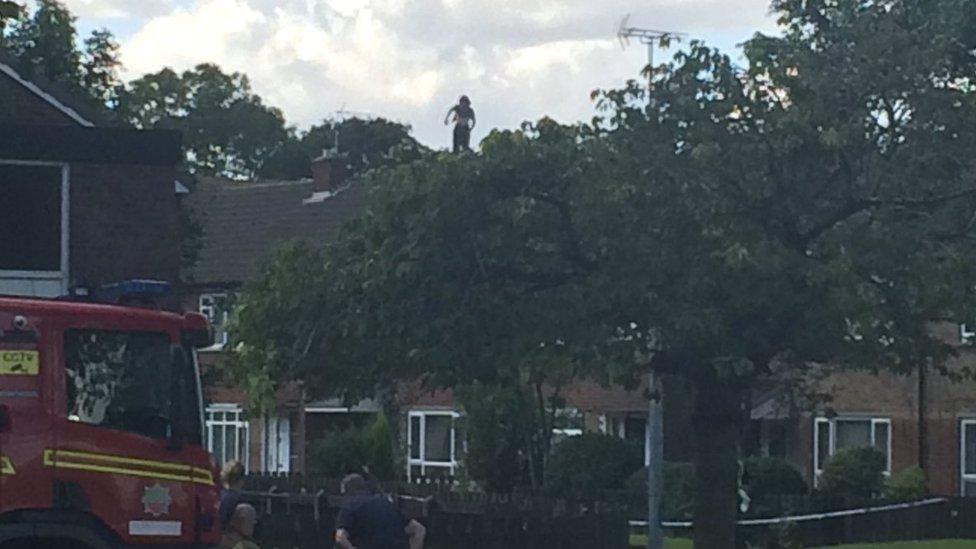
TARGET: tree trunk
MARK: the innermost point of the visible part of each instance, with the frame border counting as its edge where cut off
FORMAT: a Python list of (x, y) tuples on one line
[(716, 451)]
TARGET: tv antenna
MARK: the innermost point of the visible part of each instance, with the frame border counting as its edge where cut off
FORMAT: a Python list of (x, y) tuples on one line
[(338, 118), (650, 37)]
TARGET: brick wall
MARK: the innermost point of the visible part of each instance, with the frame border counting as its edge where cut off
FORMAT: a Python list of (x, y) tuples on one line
[(18, 105), (895, 396), (124, 224)]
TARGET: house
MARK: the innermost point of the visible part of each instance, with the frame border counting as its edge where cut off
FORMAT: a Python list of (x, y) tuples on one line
[(85, 202), (432, 448), (243, 223), (922, 418)]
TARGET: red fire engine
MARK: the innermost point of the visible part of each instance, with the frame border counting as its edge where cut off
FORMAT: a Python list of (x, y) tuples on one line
[(101, 425)]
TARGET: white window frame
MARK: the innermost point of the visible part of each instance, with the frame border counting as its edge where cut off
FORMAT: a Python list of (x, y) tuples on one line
[(276, 453), (240, 425), (221, 337), (422, 462), (61, 275), (963, 476), (832, 441)]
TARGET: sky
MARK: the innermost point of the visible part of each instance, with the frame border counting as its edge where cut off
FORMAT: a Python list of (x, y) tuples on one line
[(409, 60)]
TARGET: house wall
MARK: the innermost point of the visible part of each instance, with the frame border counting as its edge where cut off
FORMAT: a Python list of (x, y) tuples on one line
[(288, 404), (124, 224), (889, 395), (123, 219)]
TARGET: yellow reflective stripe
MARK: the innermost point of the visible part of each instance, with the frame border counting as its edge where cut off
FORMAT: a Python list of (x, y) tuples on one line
[(121, 471), (202, 476), (116, 465), (6, 466), (123, 460)]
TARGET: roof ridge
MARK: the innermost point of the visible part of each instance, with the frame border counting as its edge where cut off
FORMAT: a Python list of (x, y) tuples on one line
[(45, 96), (244, 185)]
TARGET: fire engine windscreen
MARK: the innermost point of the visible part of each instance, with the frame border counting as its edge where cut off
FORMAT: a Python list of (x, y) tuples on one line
[(129, 381)]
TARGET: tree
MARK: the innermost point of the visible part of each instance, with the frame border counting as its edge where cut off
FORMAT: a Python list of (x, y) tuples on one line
[(100, 66), (9, 11), (227, 129), (721, 225), (366, 144), (43, 43)]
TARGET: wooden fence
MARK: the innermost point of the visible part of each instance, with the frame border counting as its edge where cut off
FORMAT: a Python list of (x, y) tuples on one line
[(306, 520), (300, 514)]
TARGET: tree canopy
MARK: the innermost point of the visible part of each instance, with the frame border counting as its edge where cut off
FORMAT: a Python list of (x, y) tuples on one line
[(723, 224), (228, 129), (43, 43)]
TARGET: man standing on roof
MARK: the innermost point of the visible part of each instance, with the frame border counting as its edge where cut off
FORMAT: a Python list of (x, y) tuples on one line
[(464, 122)]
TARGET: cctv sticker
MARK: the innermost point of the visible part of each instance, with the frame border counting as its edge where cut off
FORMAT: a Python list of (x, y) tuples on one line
[(19, 363)]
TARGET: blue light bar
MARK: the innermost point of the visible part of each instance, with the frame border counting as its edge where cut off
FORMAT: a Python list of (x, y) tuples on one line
[(134, 289)]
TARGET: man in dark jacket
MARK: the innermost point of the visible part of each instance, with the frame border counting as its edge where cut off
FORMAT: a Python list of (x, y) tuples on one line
[(372, 521), (232, 482)]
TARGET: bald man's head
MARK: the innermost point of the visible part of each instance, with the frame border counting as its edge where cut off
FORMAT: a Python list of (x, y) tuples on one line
[(243, 520)]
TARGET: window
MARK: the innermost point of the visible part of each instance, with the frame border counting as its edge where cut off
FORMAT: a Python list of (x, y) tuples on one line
[(832, 435), (34, 209), (227, 433), (277, 444), (967, 461), (432, 450), (217, 309), (121, 380), (566, 423)]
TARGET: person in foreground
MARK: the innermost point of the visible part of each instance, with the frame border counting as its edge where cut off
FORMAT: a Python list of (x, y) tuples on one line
[(232, 482), (371, 521), (239, 532)]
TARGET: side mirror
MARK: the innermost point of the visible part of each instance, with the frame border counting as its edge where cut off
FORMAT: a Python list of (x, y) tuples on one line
[(199, 339)]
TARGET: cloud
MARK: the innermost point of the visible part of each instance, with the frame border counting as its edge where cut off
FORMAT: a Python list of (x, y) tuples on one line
[(410, 59), (118, 9)]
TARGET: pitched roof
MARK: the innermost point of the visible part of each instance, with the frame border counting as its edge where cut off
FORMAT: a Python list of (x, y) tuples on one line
[(69, 104), (244, 223)]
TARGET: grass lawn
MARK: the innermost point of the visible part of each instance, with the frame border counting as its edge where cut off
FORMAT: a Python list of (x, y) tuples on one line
[(638, 540), (940, 544)]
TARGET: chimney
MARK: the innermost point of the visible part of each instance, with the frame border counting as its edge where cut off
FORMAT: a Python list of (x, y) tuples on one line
[(329, 171)]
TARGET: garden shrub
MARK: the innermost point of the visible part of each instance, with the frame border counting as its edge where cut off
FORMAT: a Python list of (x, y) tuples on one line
[(772, 476), (495, 429), (349, 451), (906, 485), (377, 442), (336, 455), (854, 473), (591, 463), (677, 490)]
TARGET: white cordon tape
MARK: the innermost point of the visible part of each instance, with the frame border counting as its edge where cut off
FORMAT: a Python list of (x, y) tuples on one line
[(802, 518)]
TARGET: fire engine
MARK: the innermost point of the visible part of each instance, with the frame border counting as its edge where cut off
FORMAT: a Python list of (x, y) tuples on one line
[(101, 427)]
